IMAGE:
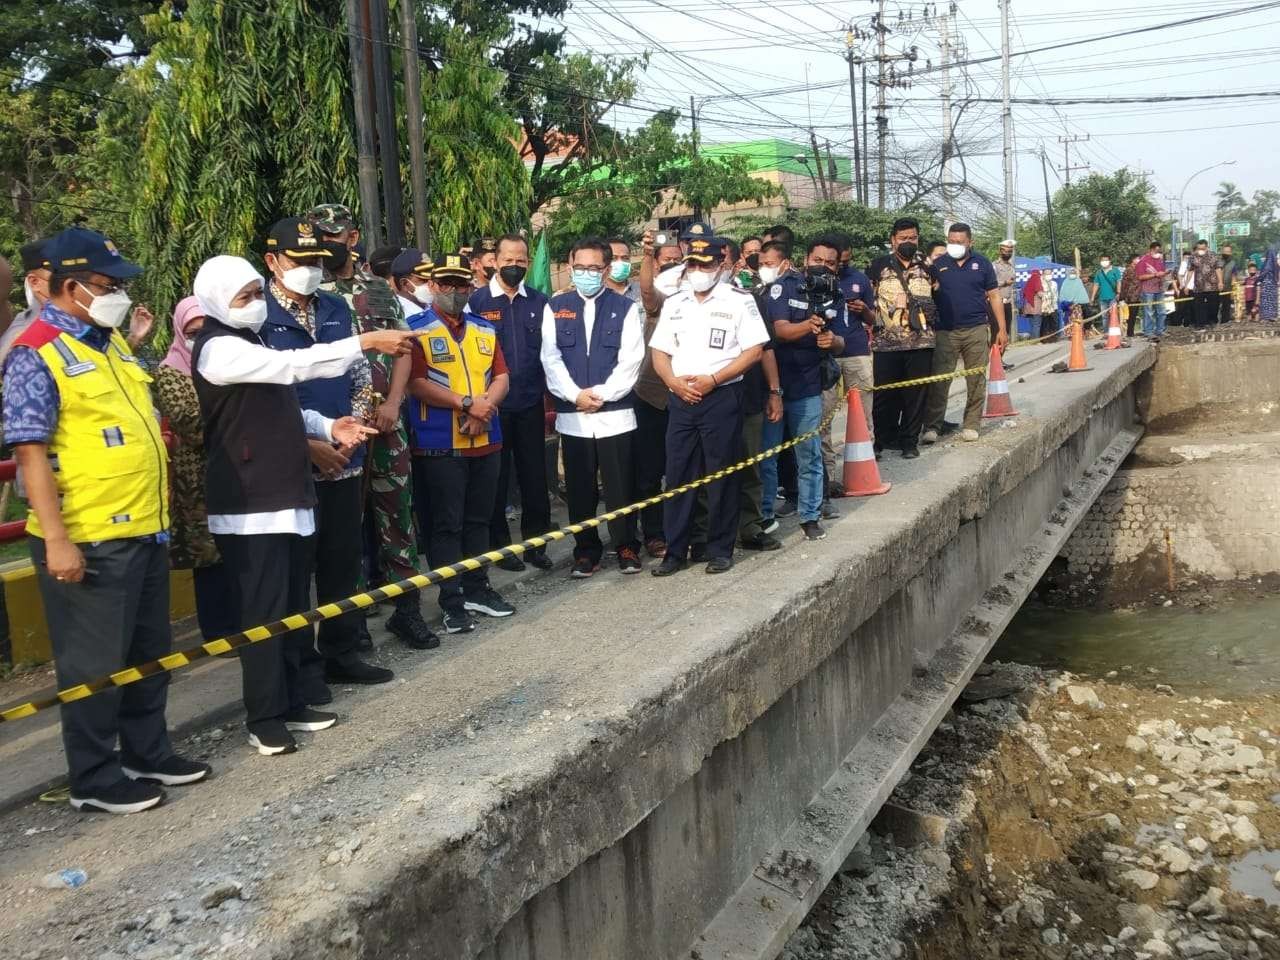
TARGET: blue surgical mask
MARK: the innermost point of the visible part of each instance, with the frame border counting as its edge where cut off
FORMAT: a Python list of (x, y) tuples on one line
[(586, 283)]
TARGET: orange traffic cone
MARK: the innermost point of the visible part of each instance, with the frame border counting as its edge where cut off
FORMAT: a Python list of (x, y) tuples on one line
[(861, 475), (1077, 362), (1113, 330), (999, 403)]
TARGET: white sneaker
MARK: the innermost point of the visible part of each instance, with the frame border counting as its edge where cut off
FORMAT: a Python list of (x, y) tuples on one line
[(929, 436), (968, 436)]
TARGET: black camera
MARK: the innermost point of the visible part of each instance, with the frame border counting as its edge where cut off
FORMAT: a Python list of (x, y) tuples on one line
[(821, 291)]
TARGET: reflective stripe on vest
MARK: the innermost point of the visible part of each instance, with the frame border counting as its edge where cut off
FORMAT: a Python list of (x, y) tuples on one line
[(465, 368), (107, 453)]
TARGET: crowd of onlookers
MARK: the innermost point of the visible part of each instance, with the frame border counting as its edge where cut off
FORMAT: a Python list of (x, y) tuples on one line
[(336, 416)]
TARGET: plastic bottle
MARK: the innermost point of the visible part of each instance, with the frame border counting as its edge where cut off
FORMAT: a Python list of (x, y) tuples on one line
[(65, 880)]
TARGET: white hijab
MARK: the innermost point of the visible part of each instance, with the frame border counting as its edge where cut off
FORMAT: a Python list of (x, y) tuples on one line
[(218, 281)]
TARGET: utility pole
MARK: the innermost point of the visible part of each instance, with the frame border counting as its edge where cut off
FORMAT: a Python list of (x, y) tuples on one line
[(853, 104), (866, 142), (384, 97), (882, 119), (948, 145), (693, 122), (1048, 205), (1173, 228), (413, 125), (366, 151), (817, 165), (1006, 119), (1066, 154), (833, 173)]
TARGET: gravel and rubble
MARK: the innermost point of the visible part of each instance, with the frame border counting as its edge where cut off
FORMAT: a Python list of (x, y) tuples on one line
[(1087, 818)]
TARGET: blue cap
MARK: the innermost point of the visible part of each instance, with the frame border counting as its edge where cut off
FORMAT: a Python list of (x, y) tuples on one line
[(411, 260), (706, 250), (696, 230), (79, 250)]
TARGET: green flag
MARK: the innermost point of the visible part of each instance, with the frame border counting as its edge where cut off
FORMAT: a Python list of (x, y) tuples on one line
[(540, 269)]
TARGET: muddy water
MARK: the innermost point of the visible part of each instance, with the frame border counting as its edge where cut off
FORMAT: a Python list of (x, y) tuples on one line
[(1232, 649)]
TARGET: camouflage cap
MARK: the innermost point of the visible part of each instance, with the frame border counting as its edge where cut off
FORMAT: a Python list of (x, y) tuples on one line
[(332, 218)]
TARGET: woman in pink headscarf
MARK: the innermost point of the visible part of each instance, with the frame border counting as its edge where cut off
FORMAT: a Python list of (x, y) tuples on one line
[(191, 546)]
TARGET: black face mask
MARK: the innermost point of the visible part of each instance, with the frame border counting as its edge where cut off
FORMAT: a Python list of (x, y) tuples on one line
[(512, 275), (489, 272), (752, 261), (819, 271), (907, 250)]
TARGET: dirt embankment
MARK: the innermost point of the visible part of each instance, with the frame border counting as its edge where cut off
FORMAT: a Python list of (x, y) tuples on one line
[(1061, 819)]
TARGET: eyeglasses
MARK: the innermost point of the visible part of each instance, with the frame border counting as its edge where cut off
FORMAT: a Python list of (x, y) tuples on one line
[(454, 285), (596, 271), (106, 288)]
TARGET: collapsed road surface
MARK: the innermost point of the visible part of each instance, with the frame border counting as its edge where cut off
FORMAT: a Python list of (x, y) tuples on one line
[(620, 769)]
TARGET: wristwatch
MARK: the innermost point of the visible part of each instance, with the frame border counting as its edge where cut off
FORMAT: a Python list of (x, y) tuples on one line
[(467, 401), (776, 391)]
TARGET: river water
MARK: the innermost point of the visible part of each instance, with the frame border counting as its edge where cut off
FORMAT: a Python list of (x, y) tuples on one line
[(1231, 649)]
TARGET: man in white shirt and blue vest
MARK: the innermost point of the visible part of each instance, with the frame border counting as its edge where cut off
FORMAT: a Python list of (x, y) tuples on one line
[(592, 348), (709, 334)]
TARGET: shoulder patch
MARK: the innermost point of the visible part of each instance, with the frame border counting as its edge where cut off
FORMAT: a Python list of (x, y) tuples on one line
[(37, 335), (775, 291)]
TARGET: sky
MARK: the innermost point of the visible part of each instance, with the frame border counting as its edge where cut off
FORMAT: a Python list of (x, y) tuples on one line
[(777, 69)]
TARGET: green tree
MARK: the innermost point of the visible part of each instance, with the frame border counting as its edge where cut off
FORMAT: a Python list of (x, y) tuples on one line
[(1113, 214), (653, 168), (1230, 199), (477, 184), (867, 227)]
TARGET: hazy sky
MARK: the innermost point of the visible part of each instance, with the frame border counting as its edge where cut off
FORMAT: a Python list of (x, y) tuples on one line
[(709, 47)]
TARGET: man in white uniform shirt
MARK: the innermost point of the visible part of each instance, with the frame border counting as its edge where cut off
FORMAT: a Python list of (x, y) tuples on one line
[(592, 347), (708, 335)]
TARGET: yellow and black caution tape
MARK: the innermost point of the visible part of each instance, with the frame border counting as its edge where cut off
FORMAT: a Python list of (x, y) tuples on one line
[(330, 611)]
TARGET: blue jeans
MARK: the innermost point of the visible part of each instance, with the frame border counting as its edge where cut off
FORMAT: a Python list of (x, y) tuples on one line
[(1104, 307), (1153, 314), (798, 416)]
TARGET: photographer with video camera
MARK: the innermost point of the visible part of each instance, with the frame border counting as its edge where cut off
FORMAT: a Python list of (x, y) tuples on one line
[(806, 312)]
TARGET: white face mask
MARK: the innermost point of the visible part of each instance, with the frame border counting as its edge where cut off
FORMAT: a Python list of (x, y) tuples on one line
[(249, 317), (702, 280), (1106, 264), (109, 309), (32, 302), (422, 293), (957, 251), (303, 280), (189, 342), (770, 274)]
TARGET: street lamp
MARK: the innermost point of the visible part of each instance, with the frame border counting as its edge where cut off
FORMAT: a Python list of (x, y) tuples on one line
[(803, 160), (1182, 199)]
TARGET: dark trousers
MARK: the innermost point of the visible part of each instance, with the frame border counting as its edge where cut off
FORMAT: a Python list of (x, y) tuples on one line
[(462, 491), (750, 515), (899, 414), (422, 506), (270, 578), (649, 463), (1226, 307), (523, 440), (1205, 308), (336, 559), (215, 601), (117, 617), (702, 438), (610, 458)]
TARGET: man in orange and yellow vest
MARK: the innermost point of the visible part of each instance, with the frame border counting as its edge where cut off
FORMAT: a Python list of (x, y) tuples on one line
[(78, 412), (458, 382)]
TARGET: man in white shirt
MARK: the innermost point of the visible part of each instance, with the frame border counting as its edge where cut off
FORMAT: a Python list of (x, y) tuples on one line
[(592, 348), (708, 335)]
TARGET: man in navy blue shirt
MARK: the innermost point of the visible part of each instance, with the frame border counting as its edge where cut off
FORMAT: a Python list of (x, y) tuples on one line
[(515, 310), (800, 339), (968, 294), (855, 362)]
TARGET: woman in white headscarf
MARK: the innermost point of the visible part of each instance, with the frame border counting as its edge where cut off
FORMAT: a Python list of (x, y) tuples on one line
[(258, 483)]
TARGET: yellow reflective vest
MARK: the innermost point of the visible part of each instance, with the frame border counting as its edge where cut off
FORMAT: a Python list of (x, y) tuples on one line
[(464, 367), (107, 453)]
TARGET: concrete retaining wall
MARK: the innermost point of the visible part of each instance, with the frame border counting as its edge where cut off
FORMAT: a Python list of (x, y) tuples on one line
[(1229, 379)]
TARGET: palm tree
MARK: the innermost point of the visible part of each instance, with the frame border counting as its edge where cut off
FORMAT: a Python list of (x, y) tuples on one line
[(1229, 197)]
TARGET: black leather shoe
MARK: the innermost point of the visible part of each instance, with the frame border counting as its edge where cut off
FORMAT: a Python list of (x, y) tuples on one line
[(669, 565), (719, 564), (407, 624), (539, 559), (761, 541), (911, 453), (513, 564), (355, 670), (697, 552)]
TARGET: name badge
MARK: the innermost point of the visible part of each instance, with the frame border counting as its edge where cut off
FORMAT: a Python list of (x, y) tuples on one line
[(440, 350), (716, 341)]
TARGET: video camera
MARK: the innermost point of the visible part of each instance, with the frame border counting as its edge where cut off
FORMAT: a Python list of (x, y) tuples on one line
[(822, 292)]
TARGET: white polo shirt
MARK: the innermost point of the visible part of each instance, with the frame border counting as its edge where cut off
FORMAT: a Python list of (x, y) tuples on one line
[(705, 337)]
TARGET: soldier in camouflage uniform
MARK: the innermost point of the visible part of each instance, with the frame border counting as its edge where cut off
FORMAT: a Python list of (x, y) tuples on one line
[(389, 494)]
